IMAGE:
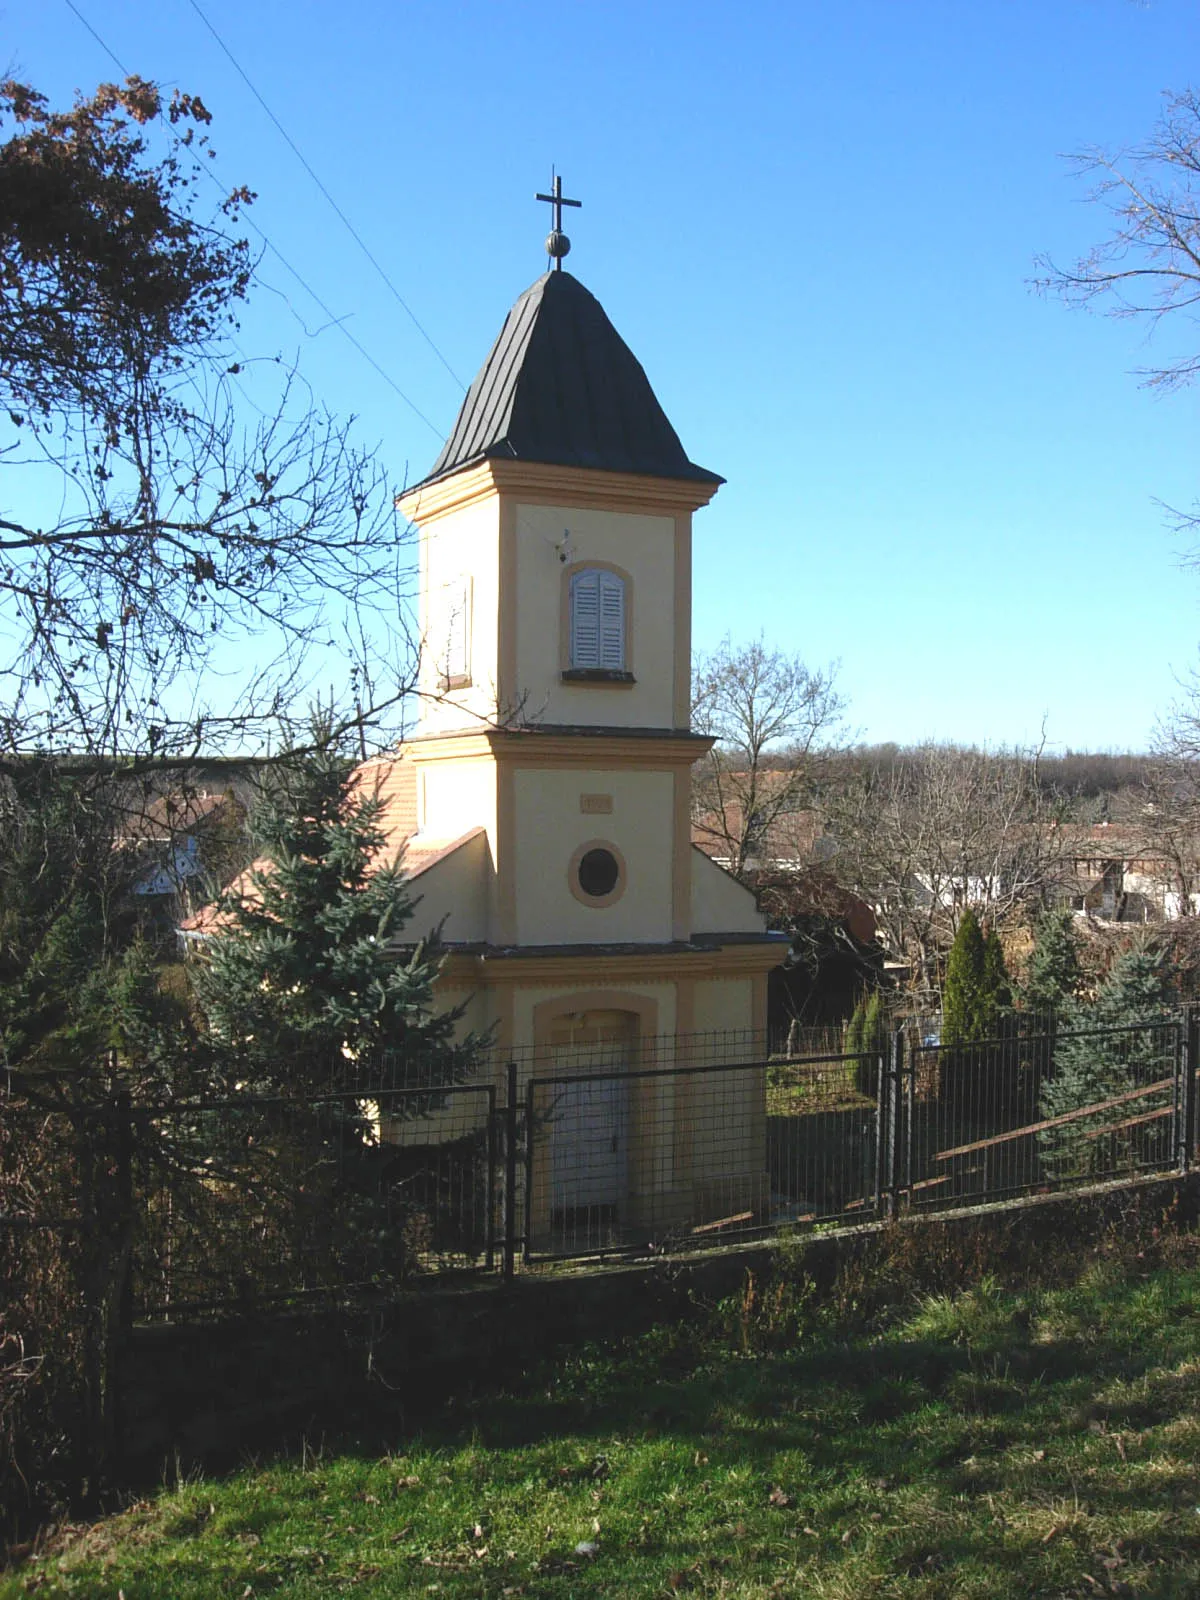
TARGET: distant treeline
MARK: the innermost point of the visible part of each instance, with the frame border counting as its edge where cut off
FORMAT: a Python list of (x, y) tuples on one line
[(1080, 774), (1089, 773)]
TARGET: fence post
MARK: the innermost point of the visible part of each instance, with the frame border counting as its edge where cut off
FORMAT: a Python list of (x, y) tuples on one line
[(1189, 1058), (527, 1170), (510, 1171), (124, 1156), (883, 1079), (493, 1176), (892, 1118), (118, 1319)]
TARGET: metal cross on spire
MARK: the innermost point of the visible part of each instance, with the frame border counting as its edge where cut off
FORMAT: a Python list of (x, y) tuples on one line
[(557, 243)]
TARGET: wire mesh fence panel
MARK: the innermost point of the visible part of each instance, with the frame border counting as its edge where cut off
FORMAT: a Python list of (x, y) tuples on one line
[(681, 1156), (823, 1123), (260, 1199), (64, 1228), (1037, 1109)]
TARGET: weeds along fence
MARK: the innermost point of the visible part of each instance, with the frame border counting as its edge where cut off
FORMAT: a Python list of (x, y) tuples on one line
[(115, 1211)]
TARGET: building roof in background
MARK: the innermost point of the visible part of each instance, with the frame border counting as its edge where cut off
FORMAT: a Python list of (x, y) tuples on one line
[(166, 816), (392, 780), (561, 387)]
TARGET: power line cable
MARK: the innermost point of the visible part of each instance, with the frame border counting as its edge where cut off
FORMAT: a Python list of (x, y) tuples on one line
[(349, 226), (274, 249)]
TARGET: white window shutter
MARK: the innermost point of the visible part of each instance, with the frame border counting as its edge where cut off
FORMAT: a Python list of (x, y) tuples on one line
[(585, 619), (612, 621), (598, 620)]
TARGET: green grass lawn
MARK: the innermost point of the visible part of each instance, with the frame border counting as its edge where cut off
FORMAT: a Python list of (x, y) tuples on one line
[(989, 1444)]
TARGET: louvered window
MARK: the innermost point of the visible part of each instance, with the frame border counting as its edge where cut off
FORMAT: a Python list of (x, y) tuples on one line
[(598, 620)]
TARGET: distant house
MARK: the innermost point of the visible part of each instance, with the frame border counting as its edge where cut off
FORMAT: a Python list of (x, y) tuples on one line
[(178, 845), (1118, 875), (955, 892)]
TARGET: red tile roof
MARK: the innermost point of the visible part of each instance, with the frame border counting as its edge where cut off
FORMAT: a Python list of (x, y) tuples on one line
[(391, 778)]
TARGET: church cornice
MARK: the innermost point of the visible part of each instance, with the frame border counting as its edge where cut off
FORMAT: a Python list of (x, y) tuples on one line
[(561, 746), (741, 956), (538, 483)]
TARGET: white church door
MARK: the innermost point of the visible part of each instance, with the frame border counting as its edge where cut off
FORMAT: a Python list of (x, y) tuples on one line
[(589, 1127)]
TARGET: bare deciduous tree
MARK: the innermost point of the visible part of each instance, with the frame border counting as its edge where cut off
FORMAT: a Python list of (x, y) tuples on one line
[(940, 829), (773, 720), (1161, 815), (1148, 268)]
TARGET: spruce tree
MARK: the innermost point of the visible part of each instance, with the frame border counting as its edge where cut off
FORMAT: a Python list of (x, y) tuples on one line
[(1053, 977), (1097, 1068), (65, 912), (302, 983), (313, 994)]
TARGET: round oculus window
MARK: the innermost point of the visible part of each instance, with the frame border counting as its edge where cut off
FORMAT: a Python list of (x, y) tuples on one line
[(598, 873)]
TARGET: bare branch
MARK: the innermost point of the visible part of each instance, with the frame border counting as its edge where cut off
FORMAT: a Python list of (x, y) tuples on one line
[(1149, 266), (773, 719), (215, 531)]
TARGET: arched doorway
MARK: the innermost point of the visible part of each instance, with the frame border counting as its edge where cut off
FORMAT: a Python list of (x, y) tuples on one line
[(589, 1124), (588, 1120)]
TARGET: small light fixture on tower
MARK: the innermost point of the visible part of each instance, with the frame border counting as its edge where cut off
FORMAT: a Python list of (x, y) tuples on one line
[(566, 550)]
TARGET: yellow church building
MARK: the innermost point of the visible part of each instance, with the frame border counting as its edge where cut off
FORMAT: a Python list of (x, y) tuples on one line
[(545, 796)]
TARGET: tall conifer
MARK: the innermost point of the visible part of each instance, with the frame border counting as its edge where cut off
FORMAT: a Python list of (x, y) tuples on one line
[(307, 981), (962, 997), (995, 990)]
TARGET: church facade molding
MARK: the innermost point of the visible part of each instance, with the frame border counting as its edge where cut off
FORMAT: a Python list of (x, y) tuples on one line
[(538, 484), (534, 971), (581, 747)]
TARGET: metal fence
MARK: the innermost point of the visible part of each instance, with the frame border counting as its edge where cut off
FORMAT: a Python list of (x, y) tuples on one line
[(1037, 1109), (261, 1199), (595, 1144), (689, 1154)]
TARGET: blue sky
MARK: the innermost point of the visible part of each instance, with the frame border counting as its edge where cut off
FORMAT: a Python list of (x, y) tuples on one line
[(815, 225)]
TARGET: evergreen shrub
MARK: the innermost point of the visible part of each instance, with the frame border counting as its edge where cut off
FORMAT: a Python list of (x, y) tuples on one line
[(1098, 1068)]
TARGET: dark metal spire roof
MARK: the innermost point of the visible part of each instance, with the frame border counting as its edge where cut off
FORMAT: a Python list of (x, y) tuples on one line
[(562, 387)]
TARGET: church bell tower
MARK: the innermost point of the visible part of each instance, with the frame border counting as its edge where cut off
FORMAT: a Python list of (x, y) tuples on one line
[(554, 735)]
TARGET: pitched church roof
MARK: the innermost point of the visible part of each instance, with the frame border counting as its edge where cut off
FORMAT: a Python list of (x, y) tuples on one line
[(562, 387)]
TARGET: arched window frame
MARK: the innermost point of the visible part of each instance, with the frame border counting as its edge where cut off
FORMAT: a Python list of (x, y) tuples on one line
[(601, 653)]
